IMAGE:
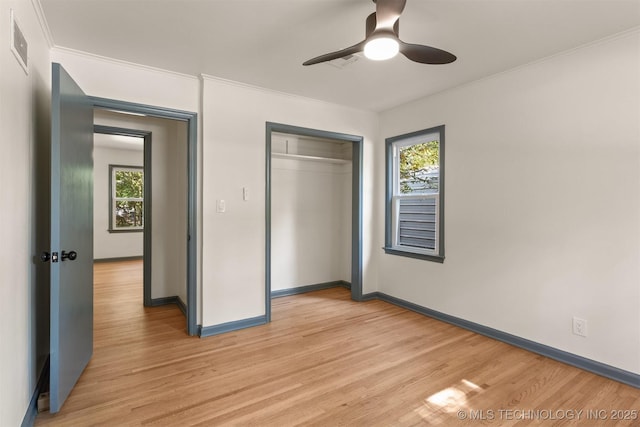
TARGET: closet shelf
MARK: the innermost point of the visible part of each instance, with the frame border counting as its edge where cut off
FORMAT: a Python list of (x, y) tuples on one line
[(309, 158)]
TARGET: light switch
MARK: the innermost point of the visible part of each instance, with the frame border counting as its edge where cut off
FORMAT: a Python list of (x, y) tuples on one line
[(245, 193), (221, 206)]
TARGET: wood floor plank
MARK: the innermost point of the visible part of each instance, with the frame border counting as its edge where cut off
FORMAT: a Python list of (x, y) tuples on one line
[(324, 360)]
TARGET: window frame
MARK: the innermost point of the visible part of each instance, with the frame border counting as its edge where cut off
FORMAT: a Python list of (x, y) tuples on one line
[(112, 198), (392, 197)]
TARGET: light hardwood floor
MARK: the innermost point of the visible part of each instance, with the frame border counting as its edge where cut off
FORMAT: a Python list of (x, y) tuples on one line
[(323, 361)]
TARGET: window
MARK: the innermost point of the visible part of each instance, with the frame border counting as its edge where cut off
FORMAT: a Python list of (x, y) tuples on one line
[(415, 195), (126, 204)]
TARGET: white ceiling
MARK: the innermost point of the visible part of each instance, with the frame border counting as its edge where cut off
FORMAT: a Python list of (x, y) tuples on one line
[(264, 42)]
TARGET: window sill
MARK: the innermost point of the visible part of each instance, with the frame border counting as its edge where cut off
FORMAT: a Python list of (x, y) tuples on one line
[(416, 255)]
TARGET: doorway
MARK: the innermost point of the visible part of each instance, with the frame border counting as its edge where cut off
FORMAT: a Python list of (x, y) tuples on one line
[(351, 145), (123, 198), (182, 242)]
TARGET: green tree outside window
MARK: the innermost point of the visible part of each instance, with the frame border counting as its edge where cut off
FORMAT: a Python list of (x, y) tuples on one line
[(419, 164), (128, 198)]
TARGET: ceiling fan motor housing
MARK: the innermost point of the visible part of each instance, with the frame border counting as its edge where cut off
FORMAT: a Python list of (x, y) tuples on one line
[(371, 25)]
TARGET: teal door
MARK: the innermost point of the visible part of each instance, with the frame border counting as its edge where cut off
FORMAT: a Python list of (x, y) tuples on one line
[(71, 257)]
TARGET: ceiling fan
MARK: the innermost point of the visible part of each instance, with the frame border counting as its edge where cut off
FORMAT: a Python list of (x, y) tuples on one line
[(382, 42)]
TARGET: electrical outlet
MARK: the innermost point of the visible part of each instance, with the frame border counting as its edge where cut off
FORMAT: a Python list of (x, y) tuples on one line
[(579, 326)]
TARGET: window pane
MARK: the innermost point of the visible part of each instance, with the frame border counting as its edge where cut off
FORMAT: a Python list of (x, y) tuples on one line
[(419, 168), (128, 213), (129, 184)]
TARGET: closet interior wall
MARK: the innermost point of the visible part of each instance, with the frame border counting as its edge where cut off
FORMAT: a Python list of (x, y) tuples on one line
[(310, 211)]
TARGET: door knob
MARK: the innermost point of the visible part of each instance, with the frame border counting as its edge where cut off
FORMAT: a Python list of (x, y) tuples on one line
[(72, 255), (45, 256)]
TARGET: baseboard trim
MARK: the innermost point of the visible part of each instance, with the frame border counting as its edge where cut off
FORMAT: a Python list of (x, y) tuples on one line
[(209, 331), (41, 386), (181, 305), (592, 366), (310, 288), (124, 258), (156, 302), (370, 296)]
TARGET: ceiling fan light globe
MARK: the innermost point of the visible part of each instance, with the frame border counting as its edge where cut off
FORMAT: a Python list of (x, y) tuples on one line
[(381, 48)]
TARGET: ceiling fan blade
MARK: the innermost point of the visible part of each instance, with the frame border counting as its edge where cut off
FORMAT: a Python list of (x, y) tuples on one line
[(426, 54), (388, 12), (335, 55)]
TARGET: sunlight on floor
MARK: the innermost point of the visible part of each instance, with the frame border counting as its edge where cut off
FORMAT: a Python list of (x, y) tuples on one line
[(449, 400)]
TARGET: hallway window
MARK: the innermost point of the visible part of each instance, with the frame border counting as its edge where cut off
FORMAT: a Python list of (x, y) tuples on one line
[(126, 212), (415, 196)]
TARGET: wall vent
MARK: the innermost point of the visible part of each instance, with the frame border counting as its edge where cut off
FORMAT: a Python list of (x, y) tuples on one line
[(19, 45), (343, 62)]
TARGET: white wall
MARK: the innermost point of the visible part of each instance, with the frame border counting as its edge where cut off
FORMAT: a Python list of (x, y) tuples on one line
[(24, 122), (168, 198), (234, 151), (310, 218), (105, 244), (542, 202), (109, 78)]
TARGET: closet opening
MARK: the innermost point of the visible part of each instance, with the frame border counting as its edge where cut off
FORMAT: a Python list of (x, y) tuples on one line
[(314, 214)]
